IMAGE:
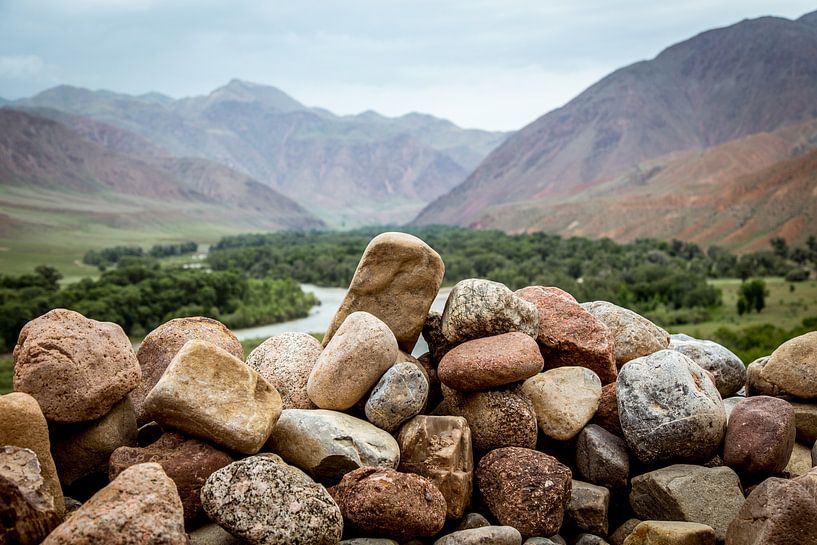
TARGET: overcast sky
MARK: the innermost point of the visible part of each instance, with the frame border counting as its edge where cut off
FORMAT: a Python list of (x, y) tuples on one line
[(494, 64)]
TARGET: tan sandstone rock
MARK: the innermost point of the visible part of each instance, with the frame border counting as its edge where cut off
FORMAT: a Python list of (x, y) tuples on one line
[(565, 399), (27, 512), (793, 366)]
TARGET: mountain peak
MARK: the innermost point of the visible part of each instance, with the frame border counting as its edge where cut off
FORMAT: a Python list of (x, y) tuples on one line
[(245, 91), (809, 19)]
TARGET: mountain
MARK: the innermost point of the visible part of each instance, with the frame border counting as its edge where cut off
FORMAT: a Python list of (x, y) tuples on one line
[(349, 170), (756, 76)]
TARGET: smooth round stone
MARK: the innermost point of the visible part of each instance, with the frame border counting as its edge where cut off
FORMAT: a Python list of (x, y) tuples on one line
[(27, 511), (188, 462), (285, 361), (602, 458), (396, 280), (478, 308), (760, 436), (400, 394), (710, 496), (669, 409), (486, 363), (329, 444), (633, 335), (590, 539), (140, 506), (565, 399), (471, 521), (539, 541), (756, 385), (488, 535), (362, 349), (385, 502), (265, 501), (76, 368), (569, 335), (588, 506), (793, 366), (607, 414), (497, 418), (368, 541), (656, 532), (525, 488), (725, 366), (213, 534), (158, 348)]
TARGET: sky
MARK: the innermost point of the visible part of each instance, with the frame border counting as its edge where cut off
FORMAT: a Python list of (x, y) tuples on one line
[(490, 64)]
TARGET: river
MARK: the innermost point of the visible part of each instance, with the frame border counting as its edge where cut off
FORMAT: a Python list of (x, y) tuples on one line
[(320, 316)]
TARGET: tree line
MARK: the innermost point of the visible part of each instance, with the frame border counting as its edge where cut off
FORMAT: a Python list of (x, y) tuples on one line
[(107, 257)]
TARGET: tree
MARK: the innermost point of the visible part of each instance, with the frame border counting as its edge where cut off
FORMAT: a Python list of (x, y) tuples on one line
[(781, 249), (752, 295)]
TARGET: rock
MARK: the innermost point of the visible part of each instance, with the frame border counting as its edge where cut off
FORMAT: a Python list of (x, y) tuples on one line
[(805, 420), (760, 436), (590, 539), (160, 346), (439, 449), (23, 425), (140, 506), (285, 361), (188, 462), (362, 349), (489, 535), (777, 512), (438, 345), (76, 368), (497, 418), (263, 500), (569, 335), (209, 393), (213, 534), (400, 394), (688, 493), (653, 532), (524, 488), (623, 531), (814, 455), (539, 541), (471, 521), (793, 366), (368, 541), (382, 501), (669, 410), (482, 364), (607, 414), (565, 399), (756, 385), (329, 444), (27, 511), (396, 280), (729, 404), (587, 509), (800, 460), (81, 450), (481, 308), (729, 371), (602, 458), (633, 335)]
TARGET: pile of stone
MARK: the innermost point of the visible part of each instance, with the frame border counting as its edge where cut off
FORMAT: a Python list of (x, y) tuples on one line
[(532, 417)]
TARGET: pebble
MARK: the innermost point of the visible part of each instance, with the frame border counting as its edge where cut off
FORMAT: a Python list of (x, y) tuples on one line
[(329, 444), (208, 393), (77, 369), (362, 349), (564, 399), (588, 506), (728, 370), (285, 361), (397, 279), (400, 394), (760, 436), (488, 535), (602, 458), (793, 366), (478, 308), (27, 511), (633, 335), (482, 364)]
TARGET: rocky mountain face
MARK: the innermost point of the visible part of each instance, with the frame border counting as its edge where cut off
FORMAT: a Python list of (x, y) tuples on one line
[(725, 85), (349, 170)]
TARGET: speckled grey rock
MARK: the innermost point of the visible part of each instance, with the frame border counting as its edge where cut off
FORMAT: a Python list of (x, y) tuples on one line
[(481, 308), (669, 409), (285, 361), (265, 501), (729, 371), (602, 458), (400, 394), (588, 507), (328, 444), (368, 541), (590, 539), (27, 511), (539, 541), (689, 493), (634, 336), (487, 535)]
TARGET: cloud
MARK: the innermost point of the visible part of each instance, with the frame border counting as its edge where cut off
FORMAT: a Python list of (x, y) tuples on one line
[(20, 66)]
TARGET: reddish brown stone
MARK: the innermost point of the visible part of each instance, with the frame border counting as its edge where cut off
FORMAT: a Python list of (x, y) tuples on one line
[(526, 489), (482, 364), (188, 462), (158, 348), (569, 335), (607, 414), (385, 502), (760, 436)]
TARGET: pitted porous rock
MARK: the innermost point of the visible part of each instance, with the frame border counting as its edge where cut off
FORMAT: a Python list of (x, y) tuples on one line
[(265, 501), (76, 368), (27, 512), (725, 366), (285, 361), (160, 346), (633, 335), (478, 308)]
